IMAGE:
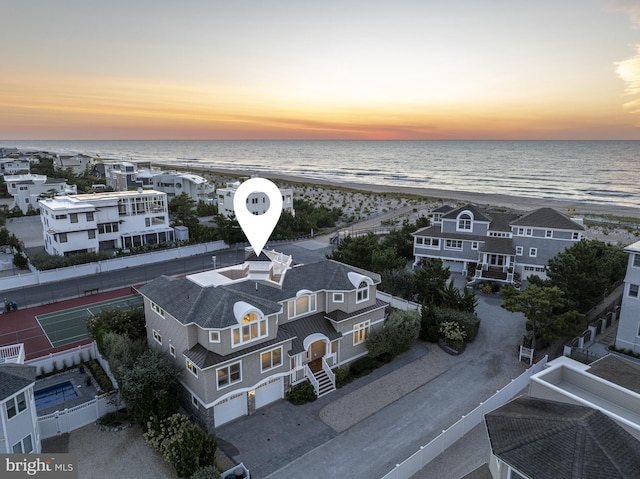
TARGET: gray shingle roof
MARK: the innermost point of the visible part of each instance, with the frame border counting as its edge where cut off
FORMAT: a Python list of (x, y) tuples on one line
[(303, 327), (14, 377), (502, 221), (203, 358), (491, 244), (478, 214), (617, 370), (547, 218), (339, 315), (443, 209), (212, 307), (548, 439)]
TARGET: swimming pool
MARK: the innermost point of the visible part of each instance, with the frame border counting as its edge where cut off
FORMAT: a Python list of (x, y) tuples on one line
[(55, 394)]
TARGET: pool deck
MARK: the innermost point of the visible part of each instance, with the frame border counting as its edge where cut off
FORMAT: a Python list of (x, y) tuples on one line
[(85, 393)]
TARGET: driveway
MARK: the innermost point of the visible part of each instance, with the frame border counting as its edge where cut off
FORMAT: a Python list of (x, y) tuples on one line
[(283, 440)]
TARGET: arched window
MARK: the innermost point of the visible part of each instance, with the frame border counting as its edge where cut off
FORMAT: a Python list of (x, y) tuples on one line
[(362, 293), (252, 327), (464, 222)]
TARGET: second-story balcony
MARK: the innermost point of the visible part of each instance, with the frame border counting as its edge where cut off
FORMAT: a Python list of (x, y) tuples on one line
[(13, 353)]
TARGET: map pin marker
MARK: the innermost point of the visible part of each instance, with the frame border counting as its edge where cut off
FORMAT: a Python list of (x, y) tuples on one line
[(257, 228)]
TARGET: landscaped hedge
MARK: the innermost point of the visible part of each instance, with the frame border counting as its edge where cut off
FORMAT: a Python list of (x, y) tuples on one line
[(302, 393)]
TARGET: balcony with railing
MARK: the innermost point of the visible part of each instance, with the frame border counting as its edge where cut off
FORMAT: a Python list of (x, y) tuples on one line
[(13, 353), (495, 273)]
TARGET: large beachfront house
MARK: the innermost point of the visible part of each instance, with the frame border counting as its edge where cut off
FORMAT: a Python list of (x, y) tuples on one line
[(495, 246), (628, 335), (104, 221), (244, 334), (257, 202)]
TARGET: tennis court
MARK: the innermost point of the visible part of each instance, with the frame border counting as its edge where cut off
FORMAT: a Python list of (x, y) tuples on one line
[(69, 325)]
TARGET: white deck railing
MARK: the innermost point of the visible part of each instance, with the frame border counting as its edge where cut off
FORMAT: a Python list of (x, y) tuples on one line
[(13, 353), (312, 378)]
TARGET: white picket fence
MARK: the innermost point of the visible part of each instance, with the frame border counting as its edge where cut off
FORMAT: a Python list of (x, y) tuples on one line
[(43, 277), (447, 438), (68, 420)]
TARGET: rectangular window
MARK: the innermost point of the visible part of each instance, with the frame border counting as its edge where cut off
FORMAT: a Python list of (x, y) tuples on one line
[(533, 252), (91, 234), (90, 216), (23, 447), (419, 240), (338, 297), (361, 332), (271, 359), (519, 251), (73, 217), (214, 336), (172, 350), (520, 231), (303, 304), (549, 234), (61, 217), (157, 309), (575, 236), (362, 293), (433, 243), (633, 290), (192, 367), (157, 337), (62, 238), (252, 328), (474, 245), (228, 375), (147, 222), (636, 260), (529, 231), (453, 244), (194, 400), (16, 405)]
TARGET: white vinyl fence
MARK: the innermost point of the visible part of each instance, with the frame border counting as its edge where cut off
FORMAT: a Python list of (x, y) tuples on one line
[(67, 420), (397, 302), (63, 359), (437, 446), (114, 264)]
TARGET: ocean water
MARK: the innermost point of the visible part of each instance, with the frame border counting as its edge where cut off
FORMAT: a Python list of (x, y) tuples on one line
[(602, 172)]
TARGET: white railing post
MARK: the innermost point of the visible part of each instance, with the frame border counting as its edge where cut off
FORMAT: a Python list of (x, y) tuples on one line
[(312, 378)]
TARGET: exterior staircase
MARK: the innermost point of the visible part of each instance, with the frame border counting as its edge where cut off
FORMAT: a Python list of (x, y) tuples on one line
[(325, 385)]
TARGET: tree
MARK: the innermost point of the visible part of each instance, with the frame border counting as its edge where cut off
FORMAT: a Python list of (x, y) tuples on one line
[(20, 261), (129, 322), (401, 240), (150, 387), (431, 281), (181, 206), (586, 271), (429, 324), (385, 259), (546, 309), (399, 332), (356, 251), (398, 282)]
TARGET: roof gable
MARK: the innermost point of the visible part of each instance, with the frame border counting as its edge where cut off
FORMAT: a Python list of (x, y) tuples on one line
[(547, 218)]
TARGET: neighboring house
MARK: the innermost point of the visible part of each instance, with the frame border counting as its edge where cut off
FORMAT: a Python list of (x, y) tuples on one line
[(495, 246), (610, 384), (174, 183), (257, 203), (243, 335), (13, 166), (78, 164), (122, 176), (628, 335), (105, 221), (537, 438), (19, 433), (28, 189)]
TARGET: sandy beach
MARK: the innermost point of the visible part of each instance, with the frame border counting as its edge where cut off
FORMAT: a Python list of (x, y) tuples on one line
[(515, 203)]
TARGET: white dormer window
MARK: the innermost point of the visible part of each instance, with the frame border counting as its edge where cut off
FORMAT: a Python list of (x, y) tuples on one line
[(464, 221), (362, 293), (304, 303), (252, 327)]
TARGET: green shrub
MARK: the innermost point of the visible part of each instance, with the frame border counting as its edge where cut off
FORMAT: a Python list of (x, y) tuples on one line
[(183, 445), (397, 335), (469, 322), (428, 324), (208, 472), (302, 393), (342, 377), (363, 366)]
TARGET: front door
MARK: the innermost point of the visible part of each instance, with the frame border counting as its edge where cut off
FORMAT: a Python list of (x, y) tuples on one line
[(316, 352)]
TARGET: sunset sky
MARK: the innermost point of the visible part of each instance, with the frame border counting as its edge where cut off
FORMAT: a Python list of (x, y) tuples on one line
[(348, 69)]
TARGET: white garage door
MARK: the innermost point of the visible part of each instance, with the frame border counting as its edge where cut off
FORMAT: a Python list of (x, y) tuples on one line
[(268, 392), (454, 266), (228, 409)]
